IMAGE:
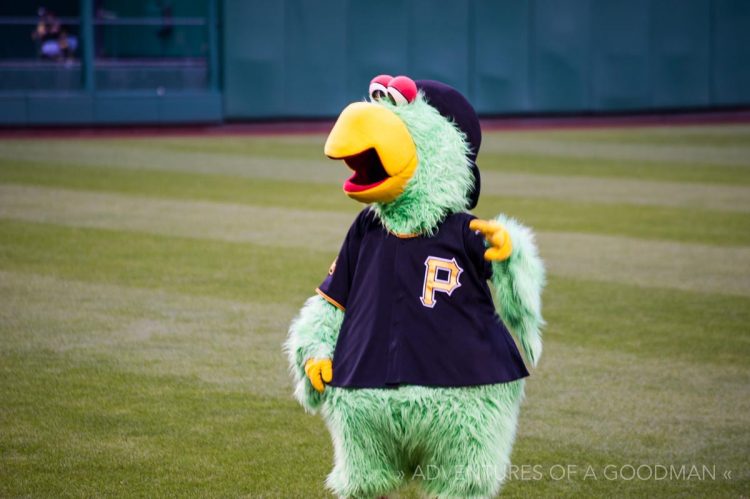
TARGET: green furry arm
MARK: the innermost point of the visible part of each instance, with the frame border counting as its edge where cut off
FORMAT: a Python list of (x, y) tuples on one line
[(518, 282), (313, 334)]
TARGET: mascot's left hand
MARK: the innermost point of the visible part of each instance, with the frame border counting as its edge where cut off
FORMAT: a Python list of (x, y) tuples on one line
[(319, 371), (500, 244)]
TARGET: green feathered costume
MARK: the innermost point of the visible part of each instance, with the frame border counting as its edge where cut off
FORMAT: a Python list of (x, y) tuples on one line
[(456, 439)]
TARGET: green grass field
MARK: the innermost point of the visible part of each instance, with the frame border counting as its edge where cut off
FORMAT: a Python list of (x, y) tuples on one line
[(146, 286)]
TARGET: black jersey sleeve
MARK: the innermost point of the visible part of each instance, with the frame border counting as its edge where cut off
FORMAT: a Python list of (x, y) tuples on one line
[(337, 284)]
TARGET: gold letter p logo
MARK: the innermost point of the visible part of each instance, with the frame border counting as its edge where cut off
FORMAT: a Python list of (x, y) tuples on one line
[(440, 275)]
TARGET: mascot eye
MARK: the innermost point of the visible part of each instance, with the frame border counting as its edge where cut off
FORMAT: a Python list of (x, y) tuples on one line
[(402, 90), (379, 87)]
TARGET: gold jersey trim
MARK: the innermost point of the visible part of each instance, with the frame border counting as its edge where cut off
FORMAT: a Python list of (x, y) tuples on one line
[(330, 300)]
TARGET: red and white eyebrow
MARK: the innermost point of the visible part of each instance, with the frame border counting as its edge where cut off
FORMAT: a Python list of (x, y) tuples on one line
[(379, 86), (401, 89)]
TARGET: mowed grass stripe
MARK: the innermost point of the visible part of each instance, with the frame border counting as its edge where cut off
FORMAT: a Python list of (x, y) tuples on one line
[(653, 264), (693, 267), (687, 225), (538, 144), (611, 168), (243, 272), (180, 185), (665, 324), (705, 138), (310, 147), (579, 188), (127, 155), (301, 146), (631, 390), (219, 341), (620, 191), (650, 222), (268, 226), (696, 135)]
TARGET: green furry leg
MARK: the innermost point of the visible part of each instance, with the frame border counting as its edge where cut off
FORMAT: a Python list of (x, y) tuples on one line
[(456, 441), (367, 458), (469, 454)]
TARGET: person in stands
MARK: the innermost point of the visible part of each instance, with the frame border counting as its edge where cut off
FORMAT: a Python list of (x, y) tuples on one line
[(54, 41)]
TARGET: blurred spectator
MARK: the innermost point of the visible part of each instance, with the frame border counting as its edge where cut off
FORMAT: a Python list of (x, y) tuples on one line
[(53, 40)]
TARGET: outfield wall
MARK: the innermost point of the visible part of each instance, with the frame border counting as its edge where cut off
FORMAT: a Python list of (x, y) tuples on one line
[(302, 58), (261, 59)]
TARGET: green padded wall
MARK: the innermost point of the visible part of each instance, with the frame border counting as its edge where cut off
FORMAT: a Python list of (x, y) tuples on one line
[(305, 58), (501, 56), (620, 39), (730, 29), (680, 53), (560, 61)]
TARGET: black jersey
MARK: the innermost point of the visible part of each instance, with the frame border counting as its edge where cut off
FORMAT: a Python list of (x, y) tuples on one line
[(418, 310)]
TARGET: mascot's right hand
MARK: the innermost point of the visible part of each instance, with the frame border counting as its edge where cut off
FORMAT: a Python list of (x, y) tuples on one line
[(500, 244), (319, 372)]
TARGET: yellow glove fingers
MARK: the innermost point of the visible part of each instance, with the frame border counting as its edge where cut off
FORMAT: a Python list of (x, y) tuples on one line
[(499, 238), (326, 371), (476, 224), (498, 254), (315, 380), (315, 369), (486, 227)]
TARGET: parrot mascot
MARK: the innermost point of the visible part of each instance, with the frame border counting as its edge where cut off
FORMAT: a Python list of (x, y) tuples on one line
[(403, 349)]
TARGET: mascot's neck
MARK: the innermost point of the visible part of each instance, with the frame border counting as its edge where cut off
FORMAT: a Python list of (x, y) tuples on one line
[(411, 215)]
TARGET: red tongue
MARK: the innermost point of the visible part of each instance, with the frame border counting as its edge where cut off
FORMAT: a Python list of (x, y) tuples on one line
[(368, 171), (350, 186)]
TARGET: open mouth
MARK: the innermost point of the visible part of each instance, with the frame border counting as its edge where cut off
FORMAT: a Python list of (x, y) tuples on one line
[(368, 171), (376, 145)]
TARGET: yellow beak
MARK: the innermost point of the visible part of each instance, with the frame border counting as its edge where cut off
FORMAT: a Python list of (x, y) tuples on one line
[(376, 144)]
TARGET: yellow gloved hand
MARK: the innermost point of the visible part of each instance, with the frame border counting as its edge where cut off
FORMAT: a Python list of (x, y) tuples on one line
[(499, 239), (319, 371)]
